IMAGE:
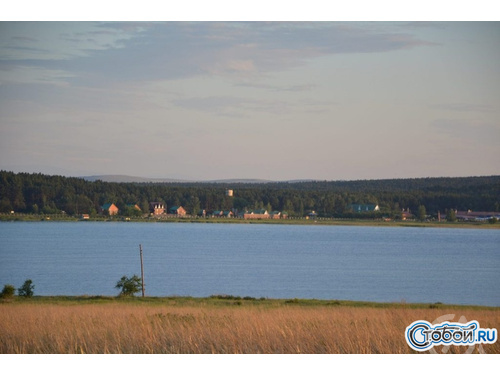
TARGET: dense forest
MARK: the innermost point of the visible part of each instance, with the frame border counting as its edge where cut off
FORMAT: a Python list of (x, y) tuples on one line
[(38, 193)]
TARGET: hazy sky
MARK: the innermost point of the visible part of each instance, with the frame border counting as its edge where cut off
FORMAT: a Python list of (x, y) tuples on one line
[(209, 100)]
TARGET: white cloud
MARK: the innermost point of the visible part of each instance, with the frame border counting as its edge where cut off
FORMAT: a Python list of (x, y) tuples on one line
[(100, 53), (32, 41), (468, 131), (465, 107), (37, 75)]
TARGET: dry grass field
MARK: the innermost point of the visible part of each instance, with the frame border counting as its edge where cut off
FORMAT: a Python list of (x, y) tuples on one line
[(202, 326)]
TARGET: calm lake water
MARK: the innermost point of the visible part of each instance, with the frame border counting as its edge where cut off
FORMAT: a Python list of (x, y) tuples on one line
[(276, 261)]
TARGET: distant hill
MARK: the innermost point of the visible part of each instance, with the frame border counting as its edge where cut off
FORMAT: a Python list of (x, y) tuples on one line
[(125, 178), (237, 181)]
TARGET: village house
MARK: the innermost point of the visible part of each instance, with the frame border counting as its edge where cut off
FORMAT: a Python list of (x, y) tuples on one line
[(84, 217), (217, 213), (256, 214), (109, 208), (406, 214), (178, 210), (228, 214), (312, 215), (477, 215), (275, 215), (156, 208)]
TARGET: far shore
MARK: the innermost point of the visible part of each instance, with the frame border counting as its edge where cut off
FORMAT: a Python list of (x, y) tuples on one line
[(292, 221)]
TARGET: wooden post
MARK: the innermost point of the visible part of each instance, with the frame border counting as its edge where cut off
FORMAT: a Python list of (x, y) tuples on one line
[(142, 271)]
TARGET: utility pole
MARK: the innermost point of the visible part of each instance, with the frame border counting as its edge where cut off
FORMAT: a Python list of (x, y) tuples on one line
[(142, 271)]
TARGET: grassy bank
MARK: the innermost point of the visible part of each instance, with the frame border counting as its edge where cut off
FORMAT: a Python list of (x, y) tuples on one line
[(222, 324)]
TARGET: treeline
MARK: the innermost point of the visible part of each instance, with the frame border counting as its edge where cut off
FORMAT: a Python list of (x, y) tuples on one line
[(38, 193)]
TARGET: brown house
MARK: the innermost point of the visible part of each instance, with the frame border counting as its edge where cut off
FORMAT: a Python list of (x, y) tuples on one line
[(109, 208), (275, 215), (256, 214), (156, 208), (178, 210), (406, 215)]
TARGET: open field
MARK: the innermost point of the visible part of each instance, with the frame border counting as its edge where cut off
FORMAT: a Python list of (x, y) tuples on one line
[(218, 325)]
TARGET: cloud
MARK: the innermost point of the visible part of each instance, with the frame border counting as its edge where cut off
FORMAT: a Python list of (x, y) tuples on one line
[(467, 131), (29, 42), (28, 75), (100, 53), (232, 106), (465, 107), (278, 88), (239, 106)]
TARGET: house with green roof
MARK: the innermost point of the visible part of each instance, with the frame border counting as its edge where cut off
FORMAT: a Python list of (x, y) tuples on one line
[(177, 210), (275, 215), (109, 208), (228, 213)]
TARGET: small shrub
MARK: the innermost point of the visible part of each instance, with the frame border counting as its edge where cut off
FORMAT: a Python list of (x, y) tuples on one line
[(225, 296), (435, 305), (8, 291)]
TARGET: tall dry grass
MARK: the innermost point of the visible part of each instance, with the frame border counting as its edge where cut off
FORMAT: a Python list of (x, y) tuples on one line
[(123, 328)]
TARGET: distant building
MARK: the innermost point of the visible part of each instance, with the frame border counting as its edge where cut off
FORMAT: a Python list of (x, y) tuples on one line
[(156, 208), (84, 217), (109, 208), (406, 214), (476, 216), (275, 215), (312, 215), (228, 213), (178, 210), (364, 207), (256, 214), (229, 193), (217, 213)]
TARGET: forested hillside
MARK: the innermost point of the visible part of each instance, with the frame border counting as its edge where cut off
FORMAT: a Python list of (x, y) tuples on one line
[(37, 193)]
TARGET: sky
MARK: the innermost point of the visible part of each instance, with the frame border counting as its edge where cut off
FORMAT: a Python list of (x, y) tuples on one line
[(265, 100)]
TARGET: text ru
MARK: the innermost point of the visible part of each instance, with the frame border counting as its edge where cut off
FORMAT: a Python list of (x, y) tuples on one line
[(483, 335)]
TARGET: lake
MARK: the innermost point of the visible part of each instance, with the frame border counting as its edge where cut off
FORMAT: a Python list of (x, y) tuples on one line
[(382, 264)]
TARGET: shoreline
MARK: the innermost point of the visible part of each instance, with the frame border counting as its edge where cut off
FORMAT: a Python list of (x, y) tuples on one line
[(304, 221)]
